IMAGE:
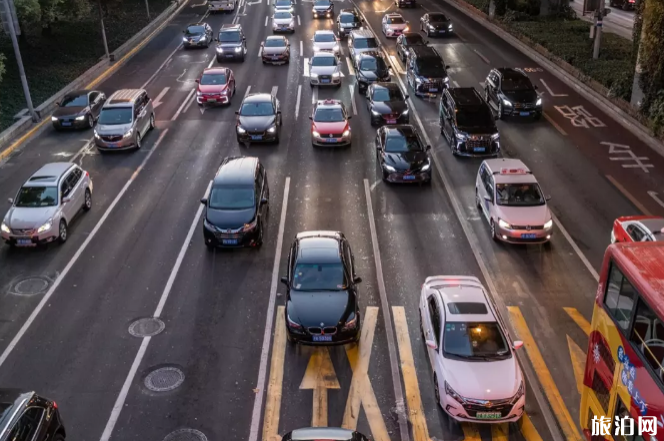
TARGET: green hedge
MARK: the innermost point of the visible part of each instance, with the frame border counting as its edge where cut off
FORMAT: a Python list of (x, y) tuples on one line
[(51, 62)]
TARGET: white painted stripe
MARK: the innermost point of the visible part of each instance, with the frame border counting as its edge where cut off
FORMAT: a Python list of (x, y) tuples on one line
[(260, 49), (157, 101), (396, 63), (184, 103), (301, 48), (211, 63), (247, 91), (266, 20), (299, 23), (575, 247), (297, 103), (306, 67), (274, 90), (314, 95), (191, 101), (352, 98), (122, 397), (269, 322), (350, 66), (161, 67), (455, 83)]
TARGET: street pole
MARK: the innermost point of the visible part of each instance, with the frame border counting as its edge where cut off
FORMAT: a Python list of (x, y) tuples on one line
[(637, 92), (492, 9), (19, 61), (147, 7), (103, 30), (598, 31)]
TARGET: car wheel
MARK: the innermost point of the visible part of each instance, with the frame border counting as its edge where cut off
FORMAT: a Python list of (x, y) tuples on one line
[(436, 389), (478, 204), (87, 202), (138, 140), (59, 437), (492, 226), (91, 121), (290, 339), (259, 241), (486, 95), (152, 121), (62, 231), (421, 327)]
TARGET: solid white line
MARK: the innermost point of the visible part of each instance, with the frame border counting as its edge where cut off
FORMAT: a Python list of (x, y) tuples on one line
[(301, 48), (350, 66), (74, 259), (122, 397), (297, 103), (191, 101), (455, 83), (260, 49), (397, 64), (161, 66), (211, 63), (247, 92), (394, 364), (269, 322), (576, 249), (305, 71), (299, 23), (549, 89), (352, 98), (482, 56), (266, 20), (314, 95), (184, 103), (274, 90)]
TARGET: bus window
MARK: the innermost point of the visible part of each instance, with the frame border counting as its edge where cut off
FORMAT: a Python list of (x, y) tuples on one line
[(648, 337), (619, 298)]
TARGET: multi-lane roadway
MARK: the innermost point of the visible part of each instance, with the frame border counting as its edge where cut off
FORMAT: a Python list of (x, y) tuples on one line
[(65, 311)]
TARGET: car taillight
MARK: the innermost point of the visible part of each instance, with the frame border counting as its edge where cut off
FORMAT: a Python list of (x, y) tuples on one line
[(55, 405)]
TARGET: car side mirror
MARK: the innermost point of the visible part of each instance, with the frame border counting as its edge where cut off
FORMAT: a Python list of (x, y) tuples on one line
[(263, 201), (284, 280), (263, 44), (547, 198), (244, 38), (216, 39), (10, 201), (237, 112), (357, 279), (349, 117), (278, 112), (517, 345), (204, 201), (197, 80), (184, 32), (432, 344), (487, 198), (428, 148)]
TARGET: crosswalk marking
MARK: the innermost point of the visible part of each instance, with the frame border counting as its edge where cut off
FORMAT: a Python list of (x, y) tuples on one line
[(528, 429), (470, 432)]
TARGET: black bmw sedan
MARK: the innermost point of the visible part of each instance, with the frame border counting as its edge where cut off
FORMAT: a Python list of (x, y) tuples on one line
[(321, 304), (259, 119), (402, 157), (387, 104)]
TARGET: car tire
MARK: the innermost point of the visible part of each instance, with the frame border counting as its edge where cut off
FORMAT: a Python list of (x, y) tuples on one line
[(152, 124), (478, 204), (436, 389), (259, 242), (91, 121), (63, 234), (492, 227), (138, 141), (59, 437), (291, 340), (87, 200)]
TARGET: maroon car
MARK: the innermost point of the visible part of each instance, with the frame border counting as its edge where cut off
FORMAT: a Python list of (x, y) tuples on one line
[(215, 86)]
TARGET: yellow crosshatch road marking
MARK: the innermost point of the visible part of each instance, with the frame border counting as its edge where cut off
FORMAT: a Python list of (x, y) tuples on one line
[(528, 429), (500, 432), (276, 380), (413, 398), (320, 377), (579, 319), (361, 392), (470, 432), (544, 375), (578, 358)]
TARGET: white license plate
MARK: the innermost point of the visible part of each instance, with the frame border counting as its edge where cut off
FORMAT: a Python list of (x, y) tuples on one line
[(24, 242), (528, 236), (391, 121), (488, 415), (256, 137), (524, 113), (229, 241), (433, 89), (441, 32), (229, 56), (409, 178), (322, 338)]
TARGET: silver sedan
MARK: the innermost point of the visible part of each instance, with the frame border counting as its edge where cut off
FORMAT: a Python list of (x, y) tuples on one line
[(325, 69)]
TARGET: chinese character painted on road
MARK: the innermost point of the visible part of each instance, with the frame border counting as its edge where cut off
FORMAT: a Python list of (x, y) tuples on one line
[(601, 426), (648, 425), (579, 116), (623, 153)]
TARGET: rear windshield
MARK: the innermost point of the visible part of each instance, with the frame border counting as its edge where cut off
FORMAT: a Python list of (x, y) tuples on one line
[(283, 3), (213, 79), (75, 101), (37, 197), (115, 116), (365, 43), (231, 198)]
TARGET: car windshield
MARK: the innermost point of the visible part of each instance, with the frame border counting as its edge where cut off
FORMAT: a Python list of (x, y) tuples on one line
[(229, 37), (213, 79), (431, 68), (282, 15), (402, 144), (512, 84), (283, 3), (348, 18), (231, 198), (329, 115), (479, 116), (275, 42), (373, 64), (257, 109), (319, 277), (195, 30), (475, 341), (75, 101), (37, 197), (324, 60), (365, 43), (115, 116), (395, 20), (520, 195), (385, 94), (414, 40), (324, 38), (436, 18), (322, 3)]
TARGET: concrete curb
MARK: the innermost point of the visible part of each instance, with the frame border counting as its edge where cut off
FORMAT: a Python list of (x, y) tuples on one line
[(24, 122), (590, 89)]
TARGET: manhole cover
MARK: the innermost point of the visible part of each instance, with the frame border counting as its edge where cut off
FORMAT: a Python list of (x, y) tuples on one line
[(30, 286), (164, 379), (146, 327), (185, 435)]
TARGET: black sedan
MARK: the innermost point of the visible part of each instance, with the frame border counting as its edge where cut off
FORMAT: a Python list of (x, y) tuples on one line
[(197, 35), (387, 104), (259, 119), (370, 67), (321, 290), (28, 416), (402, 156), (275, 50), (406, 40), (79, 109), (511, 93), (435, 23)]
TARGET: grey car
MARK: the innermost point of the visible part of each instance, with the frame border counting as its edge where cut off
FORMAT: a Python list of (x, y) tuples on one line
[(124, 120), (275, 50), (45, 205), (78, 109), (325, 69)]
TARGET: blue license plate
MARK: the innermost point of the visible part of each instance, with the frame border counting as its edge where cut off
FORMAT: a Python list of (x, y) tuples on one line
[(275, 58), (256, 137), (229, 56), (528, 236), (442, 32), (524, 113), (479, 149), (23, 242), (434, 89), (66, 124), (409, 178), (322, 338), (229, 241), (331, 140), (324, 81), (112, 144)]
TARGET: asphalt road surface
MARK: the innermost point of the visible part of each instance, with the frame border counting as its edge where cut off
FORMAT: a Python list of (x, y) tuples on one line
[(65, 311)]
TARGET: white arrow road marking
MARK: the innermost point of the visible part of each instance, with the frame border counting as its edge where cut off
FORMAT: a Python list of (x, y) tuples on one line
[(653, 194), (299, 23), (297, 104), (549, 89), (247, 92), (157, 101), (352, 98)]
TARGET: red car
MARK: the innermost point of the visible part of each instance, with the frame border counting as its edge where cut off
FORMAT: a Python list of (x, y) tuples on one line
[(638, 229), (215, 86), (330, 126)]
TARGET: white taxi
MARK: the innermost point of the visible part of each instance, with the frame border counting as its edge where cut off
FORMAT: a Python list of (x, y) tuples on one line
[(511, 200), (476, 375)]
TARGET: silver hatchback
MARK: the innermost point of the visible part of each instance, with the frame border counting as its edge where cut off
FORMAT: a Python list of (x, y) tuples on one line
[(125, 119), (46, 204)]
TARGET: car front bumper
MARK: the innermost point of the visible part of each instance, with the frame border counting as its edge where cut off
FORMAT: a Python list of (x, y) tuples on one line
[(523, 236), (257, 137), (275, 59), (318, 81), (70, 123), (122, 144), (430, 90), (212, 99), (230, 240), (341, 337), (407, 178), (490, 148), (284, 28), (222, 8), (31, 238), (325, 141), (325, 14), (201, 43), (522, 111), (467, 413), (229, 54)]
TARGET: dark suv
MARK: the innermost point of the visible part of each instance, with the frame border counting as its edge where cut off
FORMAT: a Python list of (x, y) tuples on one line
[(347, 20), (511, 92), (426, 72), (25, 416), (468, 123), (236, 211), (232, 43)]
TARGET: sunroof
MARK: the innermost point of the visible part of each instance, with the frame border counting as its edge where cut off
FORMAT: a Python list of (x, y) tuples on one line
[(467, 308)]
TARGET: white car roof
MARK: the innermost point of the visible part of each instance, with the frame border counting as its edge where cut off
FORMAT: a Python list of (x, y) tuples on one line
[(324, 54), (393, 15), (510, 171), (323, 31), (458, 294)]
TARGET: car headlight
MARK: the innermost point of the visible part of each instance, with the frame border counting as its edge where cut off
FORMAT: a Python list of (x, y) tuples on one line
[(432, 28), (389, 168), (449, 27), (346, 133), (315, 134), (418, 80), (507, 103), (199, 93), (426, 166), (241, 130), (292, 323), (461, 136), (336, 48), (5, 228), (452, 393), (250, 226), (185, 39), (374, 113), (539, 102), (96, 134), (406, 29), (446, 80), (272, 129), (519, 394), (80, 118), (313, 75), (495, 136), (220, 49), (47, 226), (128, 134), (351, 322), (238, 49), (548, 224), (208, 225), (336, 75), (503, 224), (405, 112), (54, 118)]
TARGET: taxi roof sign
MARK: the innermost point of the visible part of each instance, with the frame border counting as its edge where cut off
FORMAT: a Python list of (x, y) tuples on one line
[(514, 171)]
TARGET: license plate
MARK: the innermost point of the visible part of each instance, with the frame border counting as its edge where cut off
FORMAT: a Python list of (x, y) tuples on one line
[(322, 338), (212, 100), (524, 113), (409, 178), (256, 137), (479, 149), (324, 81), (24, 242), (391, 121), (229, 241), (528, 236), (229, 56), (433, 89), (66, 124), (331, 140), (275, 58), (112, 144), (442, 32), (488, 415)]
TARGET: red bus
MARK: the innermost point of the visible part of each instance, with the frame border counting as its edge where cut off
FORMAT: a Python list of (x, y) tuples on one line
[(624, 376)]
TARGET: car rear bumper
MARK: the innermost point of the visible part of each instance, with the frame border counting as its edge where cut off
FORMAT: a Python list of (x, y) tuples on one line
[(334, 81), (522, 236)]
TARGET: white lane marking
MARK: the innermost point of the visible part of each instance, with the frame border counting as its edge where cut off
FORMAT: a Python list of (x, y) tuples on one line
[(247, 92), (184, 103), (86, 148), (122, 397), (455, 83), (352, 98), (576, 249), (305, 72), (399, 69), (314, 95), (394, 366), (157, 101), (260, 49), (266, 20), (47, 297), (350, 66), (269, 322), (204, 16), (301, 48), (297, 104), (299, 23), (653, 194), (549, 89), (211, 62), (156, 72), (274, 90), (485, 59)]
